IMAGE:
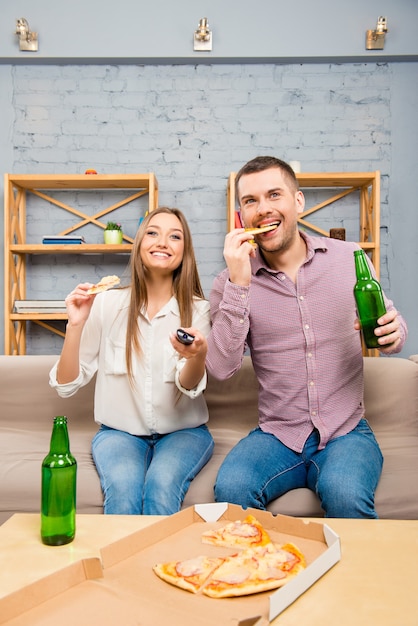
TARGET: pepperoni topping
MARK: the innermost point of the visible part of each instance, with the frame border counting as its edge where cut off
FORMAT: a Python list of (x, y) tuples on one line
[(191, 567)]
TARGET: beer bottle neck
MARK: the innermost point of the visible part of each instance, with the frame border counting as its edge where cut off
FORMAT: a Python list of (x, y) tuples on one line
[(362, 267), (60, 443)]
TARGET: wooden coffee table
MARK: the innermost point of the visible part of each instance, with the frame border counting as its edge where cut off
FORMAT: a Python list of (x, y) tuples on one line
[(375, 583)]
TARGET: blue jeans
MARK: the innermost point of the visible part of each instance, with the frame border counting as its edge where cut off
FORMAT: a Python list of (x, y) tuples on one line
[(149, 475), (344, 474)]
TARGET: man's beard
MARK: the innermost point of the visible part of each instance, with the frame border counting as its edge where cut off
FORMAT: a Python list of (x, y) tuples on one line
[(283, 245)]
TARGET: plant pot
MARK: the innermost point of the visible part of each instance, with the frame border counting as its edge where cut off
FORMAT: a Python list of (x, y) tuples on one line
[(113, 236)]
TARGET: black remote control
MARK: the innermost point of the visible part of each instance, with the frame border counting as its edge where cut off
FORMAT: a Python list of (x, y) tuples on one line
[(184, 337)]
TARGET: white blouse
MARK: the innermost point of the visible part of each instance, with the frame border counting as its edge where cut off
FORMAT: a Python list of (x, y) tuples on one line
[(156, 403)]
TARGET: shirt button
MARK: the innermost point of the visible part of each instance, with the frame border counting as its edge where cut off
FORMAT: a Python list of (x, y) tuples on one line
[(313, 413), (241, 321), (242, 296), (311, 383), (301, 298), (306, 326), (282, 277), (310, 355)]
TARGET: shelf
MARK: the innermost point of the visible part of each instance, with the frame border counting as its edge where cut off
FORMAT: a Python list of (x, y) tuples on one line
[(34, 182), (83, 248), (38, 316), (17, 250)]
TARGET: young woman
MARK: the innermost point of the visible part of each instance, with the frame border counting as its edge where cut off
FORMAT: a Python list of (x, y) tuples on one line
[(149, 402)]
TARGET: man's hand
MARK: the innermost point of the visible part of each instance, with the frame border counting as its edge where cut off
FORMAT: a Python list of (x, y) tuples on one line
[(237, 253), (388, 332)]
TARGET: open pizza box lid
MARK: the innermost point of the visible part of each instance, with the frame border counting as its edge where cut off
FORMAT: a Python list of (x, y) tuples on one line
[(121, 588)]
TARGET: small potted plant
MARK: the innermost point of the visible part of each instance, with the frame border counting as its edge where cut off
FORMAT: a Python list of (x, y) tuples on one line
[(113, 233)]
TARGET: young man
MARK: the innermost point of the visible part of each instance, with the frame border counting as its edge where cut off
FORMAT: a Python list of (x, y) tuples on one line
[(290, 302)]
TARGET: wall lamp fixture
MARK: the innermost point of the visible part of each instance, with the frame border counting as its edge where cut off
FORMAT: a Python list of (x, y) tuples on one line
[(28, 41), (375, 39), (203, 36)]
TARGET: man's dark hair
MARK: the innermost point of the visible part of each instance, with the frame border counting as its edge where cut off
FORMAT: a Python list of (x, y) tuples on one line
[(261, 163)]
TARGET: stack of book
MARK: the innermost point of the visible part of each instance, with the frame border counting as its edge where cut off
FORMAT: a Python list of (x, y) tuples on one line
[(40, 306), (60, 239)]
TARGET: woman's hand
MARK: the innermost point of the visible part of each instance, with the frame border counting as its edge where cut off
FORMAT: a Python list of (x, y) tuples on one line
[(195, 353), (79, 304), (198, 348)]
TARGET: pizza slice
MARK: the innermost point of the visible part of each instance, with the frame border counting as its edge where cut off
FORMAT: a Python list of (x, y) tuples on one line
[(255, 570), (288, 557), (190, 574), (258, 231), (239, 534), (261, 229), (105, 283)]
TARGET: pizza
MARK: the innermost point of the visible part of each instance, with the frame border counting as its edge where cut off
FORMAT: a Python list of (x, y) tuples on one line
[(261, 229), (241, 574), (258, 231), (105, 283), (260, 565), (190, 574), (239, 534), (254, 570)]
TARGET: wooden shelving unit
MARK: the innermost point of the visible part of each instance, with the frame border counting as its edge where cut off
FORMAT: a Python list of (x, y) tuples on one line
[(16, 249), (366, 184)]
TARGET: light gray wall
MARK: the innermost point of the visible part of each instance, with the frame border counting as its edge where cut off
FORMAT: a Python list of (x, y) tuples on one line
[(195, 122), (403, 198), (138, 31)]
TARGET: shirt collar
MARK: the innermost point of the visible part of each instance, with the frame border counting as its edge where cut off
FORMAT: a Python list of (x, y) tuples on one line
[(313, 245), (172, 306)]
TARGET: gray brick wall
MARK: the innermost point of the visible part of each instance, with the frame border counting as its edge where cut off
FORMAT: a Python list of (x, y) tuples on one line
[(192, 125)]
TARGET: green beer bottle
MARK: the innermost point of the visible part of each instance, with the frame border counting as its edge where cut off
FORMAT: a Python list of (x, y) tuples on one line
[(59, 482), (369, 299)]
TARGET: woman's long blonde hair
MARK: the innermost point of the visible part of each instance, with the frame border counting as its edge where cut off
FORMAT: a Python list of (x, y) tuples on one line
[(186, 283)]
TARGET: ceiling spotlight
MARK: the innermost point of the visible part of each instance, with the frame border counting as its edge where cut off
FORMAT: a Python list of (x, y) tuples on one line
[(375, 39), (28, 41), (203, 36)]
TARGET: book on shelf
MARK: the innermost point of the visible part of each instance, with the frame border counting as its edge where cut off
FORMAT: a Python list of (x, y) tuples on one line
[(63, 239), (40, 306)]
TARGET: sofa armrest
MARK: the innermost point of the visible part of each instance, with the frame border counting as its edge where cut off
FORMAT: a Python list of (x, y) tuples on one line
[(391, 395)]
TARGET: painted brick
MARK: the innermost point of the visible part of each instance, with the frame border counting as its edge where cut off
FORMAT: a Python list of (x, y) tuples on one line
[(192, 126)]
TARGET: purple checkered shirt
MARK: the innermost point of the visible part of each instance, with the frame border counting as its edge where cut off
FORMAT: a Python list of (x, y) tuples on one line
[(305, 351)]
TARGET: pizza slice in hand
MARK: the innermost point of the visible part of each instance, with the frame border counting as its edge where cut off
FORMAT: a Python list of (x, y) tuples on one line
[(105, 283), (240, 534)]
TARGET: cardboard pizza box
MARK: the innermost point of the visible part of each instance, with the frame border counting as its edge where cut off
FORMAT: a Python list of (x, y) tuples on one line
[(121, 588)]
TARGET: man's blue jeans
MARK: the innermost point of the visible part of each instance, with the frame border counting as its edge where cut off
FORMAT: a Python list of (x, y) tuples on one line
[(149, 475), (344, 475)]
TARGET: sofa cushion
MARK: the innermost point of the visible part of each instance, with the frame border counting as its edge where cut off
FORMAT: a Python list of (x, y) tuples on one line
[(28, 406)]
